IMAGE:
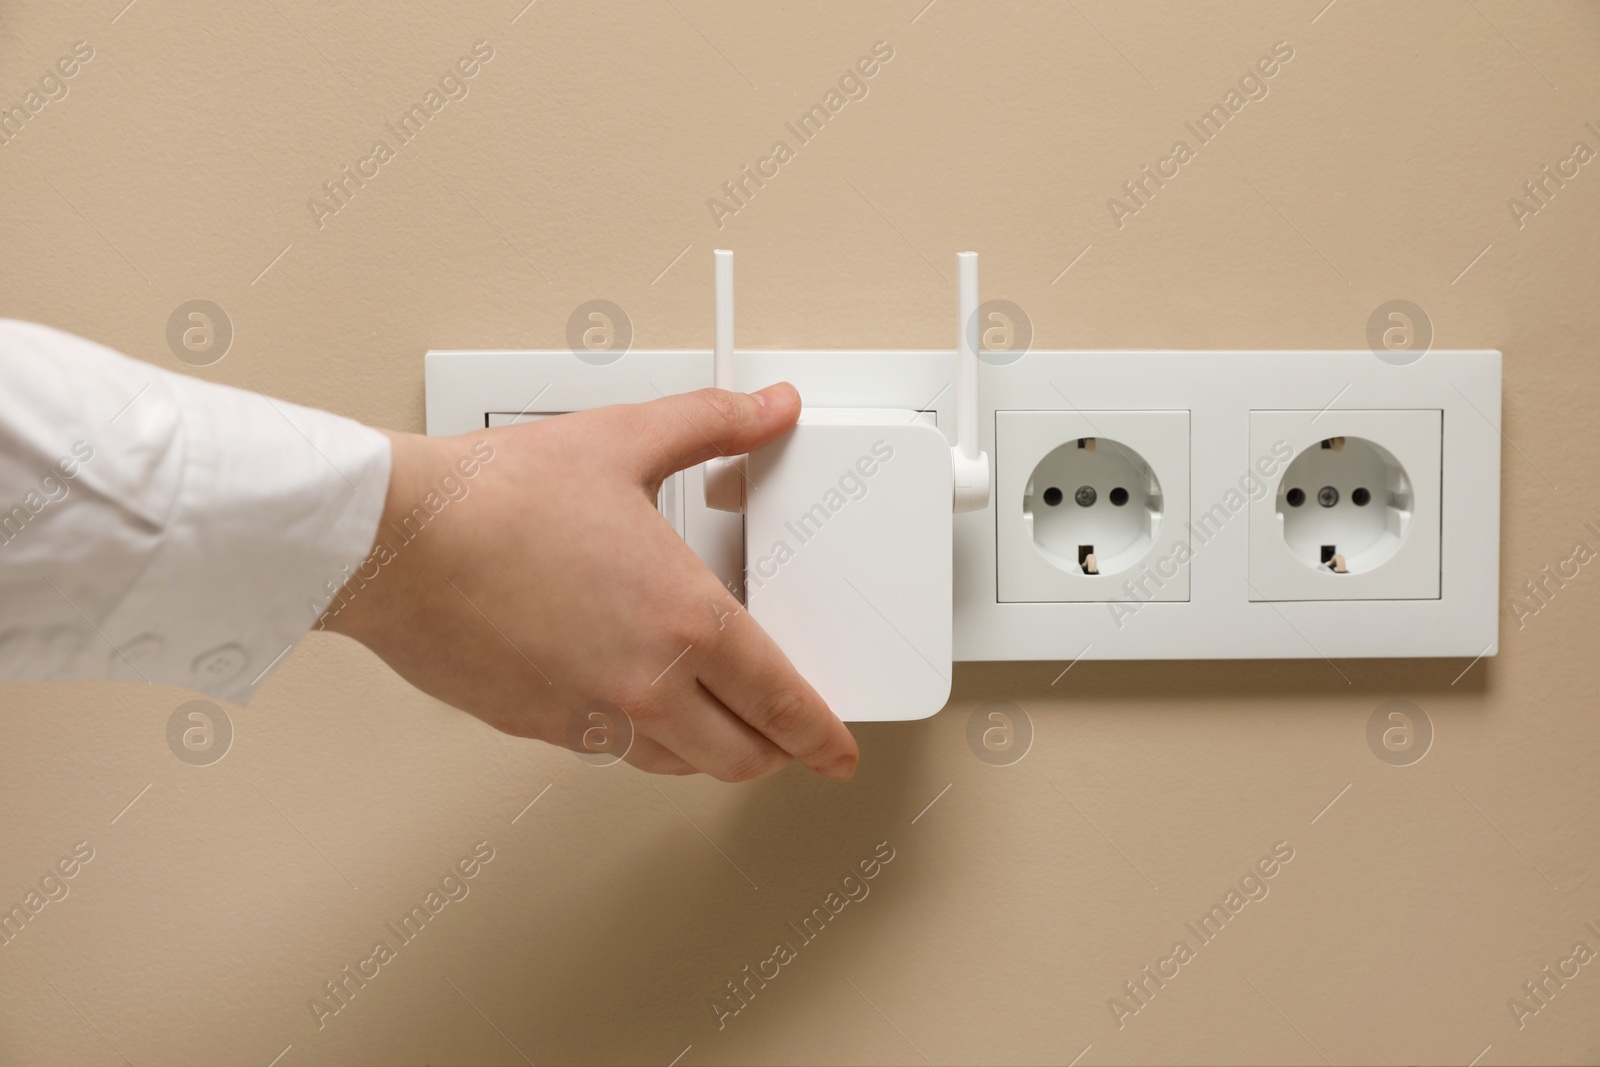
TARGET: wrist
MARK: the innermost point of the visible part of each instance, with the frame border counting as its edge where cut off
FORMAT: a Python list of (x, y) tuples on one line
[(359, 603)]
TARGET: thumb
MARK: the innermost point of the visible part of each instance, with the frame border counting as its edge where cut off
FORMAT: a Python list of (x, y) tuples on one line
[(690, 428)]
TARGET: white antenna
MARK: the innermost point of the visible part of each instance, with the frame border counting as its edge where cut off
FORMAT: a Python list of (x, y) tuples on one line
[(971, 465), (724, 476)]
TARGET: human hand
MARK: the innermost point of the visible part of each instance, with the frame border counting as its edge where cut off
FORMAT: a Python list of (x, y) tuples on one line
[(548, 579)]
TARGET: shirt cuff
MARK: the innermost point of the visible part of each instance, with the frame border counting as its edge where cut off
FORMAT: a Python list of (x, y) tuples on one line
[(277, 506)]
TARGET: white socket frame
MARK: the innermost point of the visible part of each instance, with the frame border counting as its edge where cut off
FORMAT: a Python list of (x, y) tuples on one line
[(1219, 389)]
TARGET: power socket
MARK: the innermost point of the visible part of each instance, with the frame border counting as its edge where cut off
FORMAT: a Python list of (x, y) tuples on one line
[(1087, 501), (1355, 513)]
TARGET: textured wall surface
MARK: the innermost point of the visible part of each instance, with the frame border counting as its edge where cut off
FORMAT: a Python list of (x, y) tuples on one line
[(179, 163)]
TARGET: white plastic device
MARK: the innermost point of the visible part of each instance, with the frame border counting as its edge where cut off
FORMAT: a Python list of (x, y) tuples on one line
[(848, 558), (848, 543)]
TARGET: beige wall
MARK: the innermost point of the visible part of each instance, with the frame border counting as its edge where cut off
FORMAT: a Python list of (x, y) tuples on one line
[(179, 165)]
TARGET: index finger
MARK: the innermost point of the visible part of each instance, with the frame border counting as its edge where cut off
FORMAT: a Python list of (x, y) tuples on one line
[(749, 673)]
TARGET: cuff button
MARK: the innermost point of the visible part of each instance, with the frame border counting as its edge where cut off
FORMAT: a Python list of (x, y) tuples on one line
[(221, 664)]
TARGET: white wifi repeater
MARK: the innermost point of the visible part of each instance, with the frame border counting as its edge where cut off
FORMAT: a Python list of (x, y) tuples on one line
[(848, 543)]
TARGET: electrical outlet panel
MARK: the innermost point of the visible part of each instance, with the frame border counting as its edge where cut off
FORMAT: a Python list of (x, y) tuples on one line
[(1219, 434)]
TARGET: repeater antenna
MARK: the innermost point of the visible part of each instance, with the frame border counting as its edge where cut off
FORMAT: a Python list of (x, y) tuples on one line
[(724, 475), (971, 464)]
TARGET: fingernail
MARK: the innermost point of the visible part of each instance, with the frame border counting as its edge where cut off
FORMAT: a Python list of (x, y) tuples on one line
[(764, 397), (842, 768)]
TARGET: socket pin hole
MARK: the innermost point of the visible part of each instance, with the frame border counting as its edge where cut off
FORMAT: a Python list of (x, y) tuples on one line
[(1119, 496), (1296, 497), (1360, 498), (1052, 496)]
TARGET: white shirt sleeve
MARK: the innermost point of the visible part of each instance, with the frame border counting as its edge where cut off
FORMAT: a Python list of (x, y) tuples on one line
[(155, 527)]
